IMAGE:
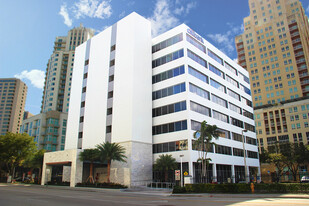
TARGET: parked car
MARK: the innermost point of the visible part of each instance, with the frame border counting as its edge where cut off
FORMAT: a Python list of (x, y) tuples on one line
[(20, 179), (304, 179)]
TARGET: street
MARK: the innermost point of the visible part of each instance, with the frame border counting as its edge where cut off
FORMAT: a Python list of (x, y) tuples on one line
[(16, 195)]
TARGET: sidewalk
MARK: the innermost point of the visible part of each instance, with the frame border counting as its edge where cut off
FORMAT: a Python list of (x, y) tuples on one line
[(162, 192)]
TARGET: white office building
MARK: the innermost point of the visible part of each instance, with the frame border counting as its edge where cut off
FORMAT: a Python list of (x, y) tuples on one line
[(150, 95)]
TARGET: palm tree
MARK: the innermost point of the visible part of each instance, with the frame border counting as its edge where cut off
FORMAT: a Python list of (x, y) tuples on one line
[(36, 162), (90, 155), (165, 163), (111, 152), (203, 142)]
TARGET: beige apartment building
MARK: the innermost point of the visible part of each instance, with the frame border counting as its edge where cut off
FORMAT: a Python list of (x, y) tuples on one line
[(57, 87), (13, 93), (274, 48)]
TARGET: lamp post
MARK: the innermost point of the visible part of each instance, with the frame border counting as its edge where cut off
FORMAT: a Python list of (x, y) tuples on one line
[(243, 145), (181, 179)]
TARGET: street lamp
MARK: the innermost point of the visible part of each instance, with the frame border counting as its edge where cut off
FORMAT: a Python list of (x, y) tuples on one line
[(181, 183), (243, 145)]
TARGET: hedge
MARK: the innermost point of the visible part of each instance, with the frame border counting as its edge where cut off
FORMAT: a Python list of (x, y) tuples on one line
[(102, 185), (243, 188)]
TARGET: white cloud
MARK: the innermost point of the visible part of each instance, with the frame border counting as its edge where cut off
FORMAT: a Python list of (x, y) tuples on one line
[(162, 19), (36, 77), (226, 40), (190, 6), (307, 10), (179, 10), (122, 14), (64, 13), (92, 9)]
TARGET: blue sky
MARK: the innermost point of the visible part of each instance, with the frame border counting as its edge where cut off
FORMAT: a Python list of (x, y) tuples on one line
[(29, 28)]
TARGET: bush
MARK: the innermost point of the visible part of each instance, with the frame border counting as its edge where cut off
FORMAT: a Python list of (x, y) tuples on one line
[(243, 188), (101, 185)]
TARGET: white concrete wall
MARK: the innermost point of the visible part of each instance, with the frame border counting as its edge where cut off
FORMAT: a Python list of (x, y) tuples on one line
[(75, 98), (96, 95), (132, 84)]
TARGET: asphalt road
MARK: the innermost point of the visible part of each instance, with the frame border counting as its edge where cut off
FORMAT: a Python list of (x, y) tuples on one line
[(20, 195)]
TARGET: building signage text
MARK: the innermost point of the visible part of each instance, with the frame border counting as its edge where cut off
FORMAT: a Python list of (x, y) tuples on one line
[(199, 38)]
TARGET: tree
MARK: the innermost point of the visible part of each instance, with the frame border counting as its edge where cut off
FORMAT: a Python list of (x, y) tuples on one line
[(164, 164), (295, 156), (204, 142), (111, 152), (90, 155), (14, 149), (36, 162), (278, 160)]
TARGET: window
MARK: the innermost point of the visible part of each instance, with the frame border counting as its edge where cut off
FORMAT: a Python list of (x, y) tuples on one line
[(85, 75), (168, 74), (167, 58), (81, 119), (237, 122), (170, 146), (196, 43), (111, 78), (220, 116), (169, 91), (245, 89), (108, 129), (215, 57), (235, 108), (247, 114), (199, 91), (170, 127), (220, 149), (167, 43), (113, 47), (216, 71), (112, 63), (250, 140), (199, 108), (233, 94), (197, 58), (82, 104), (110, 94), (219, 100), (84, 89), (252, 154), (168, 109), (109, 111), (238, 152), (217, 85), (231, 80), (198, 74)]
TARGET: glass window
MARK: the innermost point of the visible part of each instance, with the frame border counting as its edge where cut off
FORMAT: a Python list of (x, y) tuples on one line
[(167, 43), (215, 57), (197, 58), (196, 43)]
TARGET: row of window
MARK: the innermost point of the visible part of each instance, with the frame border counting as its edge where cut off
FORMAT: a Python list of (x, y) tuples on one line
[(167, 43), (167, 58), (183, 145), (168, 91), (168, 109), (168, 74), (169, 127)]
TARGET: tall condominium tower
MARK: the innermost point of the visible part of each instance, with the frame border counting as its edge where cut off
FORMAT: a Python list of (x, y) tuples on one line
[(274, 48), (59, 70), (150, 96), (13, 93)]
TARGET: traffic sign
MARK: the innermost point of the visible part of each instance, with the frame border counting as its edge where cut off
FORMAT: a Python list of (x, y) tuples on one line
[(177, 174), (185, 173)]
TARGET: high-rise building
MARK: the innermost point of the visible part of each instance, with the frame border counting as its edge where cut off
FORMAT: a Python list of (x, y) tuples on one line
[(274, 49), (150, 96), (13, 93), (48, 129), (56, 95)]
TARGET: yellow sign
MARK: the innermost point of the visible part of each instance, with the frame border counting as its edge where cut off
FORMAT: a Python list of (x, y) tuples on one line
[(185, 173)]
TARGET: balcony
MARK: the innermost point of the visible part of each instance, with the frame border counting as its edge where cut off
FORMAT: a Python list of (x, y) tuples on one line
[(295, 34), (295, 41), (301, 61), (304, 82), (299, 54), (298, 47), (302, 67), (303, 75), (305, 90)]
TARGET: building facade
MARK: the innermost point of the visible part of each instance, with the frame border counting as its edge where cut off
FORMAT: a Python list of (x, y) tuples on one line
[(56, 94), (48, 130), (151, 95), (13, 93), (274, 50)]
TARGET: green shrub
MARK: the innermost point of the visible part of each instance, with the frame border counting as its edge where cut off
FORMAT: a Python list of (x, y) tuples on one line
[(244, 188), (102, 185)]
